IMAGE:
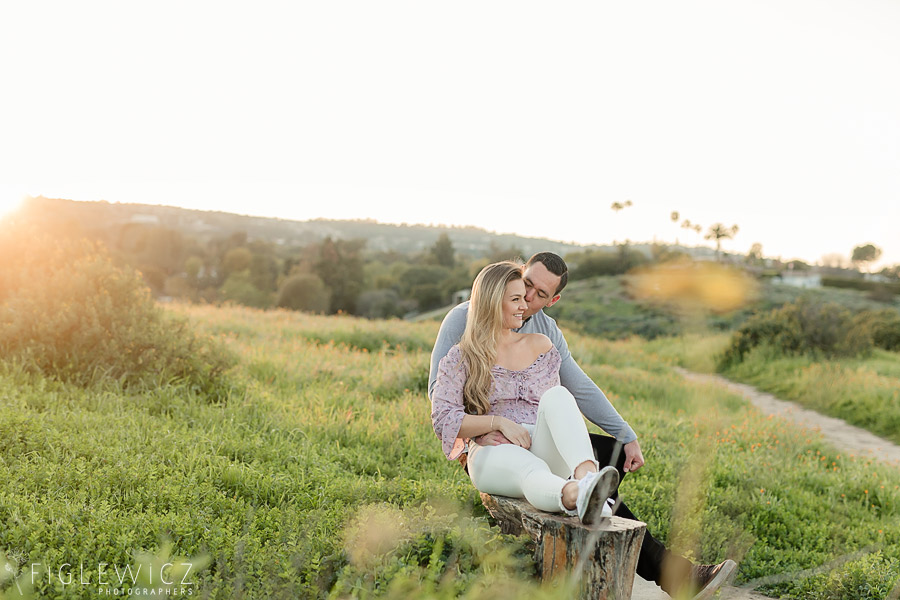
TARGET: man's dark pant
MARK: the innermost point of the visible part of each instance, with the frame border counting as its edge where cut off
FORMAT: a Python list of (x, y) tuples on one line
[(650, 561)]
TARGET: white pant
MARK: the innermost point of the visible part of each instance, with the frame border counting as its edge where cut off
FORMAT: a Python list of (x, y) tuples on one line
[(559, 443)]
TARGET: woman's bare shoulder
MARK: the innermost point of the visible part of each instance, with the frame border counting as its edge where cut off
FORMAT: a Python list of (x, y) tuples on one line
[(539, 342)]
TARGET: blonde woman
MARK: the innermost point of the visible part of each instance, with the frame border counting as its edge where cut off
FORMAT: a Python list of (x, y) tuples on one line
[(498, 380)]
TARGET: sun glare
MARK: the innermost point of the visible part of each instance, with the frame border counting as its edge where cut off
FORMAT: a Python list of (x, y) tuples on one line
[(8, 205)]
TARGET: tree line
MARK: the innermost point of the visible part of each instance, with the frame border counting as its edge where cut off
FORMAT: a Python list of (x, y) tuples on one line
[(329, 276), (340, 275)]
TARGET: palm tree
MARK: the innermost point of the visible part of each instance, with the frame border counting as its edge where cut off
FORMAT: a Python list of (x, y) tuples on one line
[(617, 206), (719, 232), (688, 225)]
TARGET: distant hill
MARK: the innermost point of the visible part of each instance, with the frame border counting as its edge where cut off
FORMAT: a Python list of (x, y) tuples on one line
[(98, 219)]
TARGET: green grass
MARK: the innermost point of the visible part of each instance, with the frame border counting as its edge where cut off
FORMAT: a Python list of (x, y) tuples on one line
[(822, 503), (695, 351), (863, 391), (287, 486), (601, 306)]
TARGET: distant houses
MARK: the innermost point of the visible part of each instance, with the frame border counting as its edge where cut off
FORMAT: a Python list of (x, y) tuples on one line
[(460, 296), (143, 219), (800, 279)]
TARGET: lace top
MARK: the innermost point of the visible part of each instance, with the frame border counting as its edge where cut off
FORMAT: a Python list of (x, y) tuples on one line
[(515, 394)]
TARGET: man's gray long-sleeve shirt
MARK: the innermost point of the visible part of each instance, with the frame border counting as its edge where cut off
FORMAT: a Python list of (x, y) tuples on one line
[(591, 400)]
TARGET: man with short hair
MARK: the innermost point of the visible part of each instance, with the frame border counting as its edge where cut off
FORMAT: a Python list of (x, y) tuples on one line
[(545, 275)]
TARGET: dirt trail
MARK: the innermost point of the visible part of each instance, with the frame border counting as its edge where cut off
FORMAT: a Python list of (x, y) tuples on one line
[(839, 433), (647, 590)]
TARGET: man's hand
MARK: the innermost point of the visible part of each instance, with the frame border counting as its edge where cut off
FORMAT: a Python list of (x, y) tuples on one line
[(492, 438), (634, 460)]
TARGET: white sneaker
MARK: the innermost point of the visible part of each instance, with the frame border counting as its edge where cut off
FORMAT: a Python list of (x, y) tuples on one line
[(607, 509), (593, 491)]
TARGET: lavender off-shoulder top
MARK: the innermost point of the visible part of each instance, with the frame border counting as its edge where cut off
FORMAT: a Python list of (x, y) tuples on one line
[(515, 394)]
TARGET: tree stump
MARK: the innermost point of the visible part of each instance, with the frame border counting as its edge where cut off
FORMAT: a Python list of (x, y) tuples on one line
[(560, 541)]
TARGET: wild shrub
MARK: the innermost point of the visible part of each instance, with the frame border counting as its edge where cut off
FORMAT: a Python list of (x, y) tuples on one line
[(382, 304), (239, 288), (800, 327), (872, 577), (68, 312), (304, 291), (862, 284), (420, 552), (882, 293), (883, 326), (601, 262)]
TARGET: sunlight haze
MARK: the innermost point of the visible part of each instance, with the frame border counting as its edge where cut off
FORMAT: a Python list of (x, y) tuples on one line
[(780, 117)]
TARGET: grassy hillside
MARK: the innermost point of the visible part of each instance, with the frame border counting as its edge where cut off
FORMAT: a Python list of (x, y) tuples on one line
[(319, 475), (602, 306), (864, 391)]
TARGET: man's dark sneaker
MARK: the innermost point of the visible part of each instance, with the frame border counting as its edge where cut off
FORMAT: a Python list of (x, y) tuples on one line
[(707, 579)]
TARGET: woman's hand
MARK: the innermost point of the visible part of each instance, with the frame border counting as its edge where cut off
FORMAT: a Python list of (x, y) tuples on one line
[(514, 432)]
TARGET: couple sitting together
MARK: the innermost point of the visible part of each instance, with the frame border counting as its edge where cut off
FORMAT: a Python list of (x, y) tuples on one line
[(508, 399)]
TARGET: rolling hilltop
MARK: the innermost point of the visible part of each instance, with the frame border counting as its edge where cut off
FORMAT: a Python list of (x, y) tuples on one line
[(98, 218)]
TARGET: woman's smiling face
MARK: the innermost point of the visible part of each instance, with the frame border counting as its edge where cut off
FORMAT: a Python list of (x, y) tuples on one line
[(514, 304)]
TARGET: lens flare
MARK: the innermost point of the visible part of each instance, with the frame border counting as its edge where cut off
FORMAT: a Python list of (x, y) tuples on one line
[(9, 205), (693, 286)]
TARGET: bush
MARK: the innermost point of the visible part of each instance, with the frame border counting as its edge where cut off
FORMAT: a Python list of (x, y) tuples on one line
[(865, 285), (882, 294), (381, 304), (872, 577), (239, 288), (304, 291), (887, 335), (402, 553), (66, 311), (883, 326), (801, 327), (592, 263)]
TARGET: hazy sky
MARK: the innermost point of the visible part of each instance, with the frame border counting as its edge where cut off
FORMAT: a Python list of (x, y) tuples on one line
[(782, 117)]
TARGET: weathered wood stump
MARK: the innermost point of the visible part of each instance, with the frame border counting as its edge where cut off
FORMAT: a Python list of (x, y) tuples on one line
[(560, 541)]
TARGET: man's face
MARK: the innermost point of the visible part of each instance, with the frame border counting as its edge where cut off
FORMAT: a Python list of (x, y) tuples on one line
[(540, 288)]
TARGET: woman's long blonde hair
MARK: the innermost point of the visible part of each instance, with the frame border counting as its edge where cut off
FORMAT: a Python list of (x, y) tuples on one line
[(484, 325)]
